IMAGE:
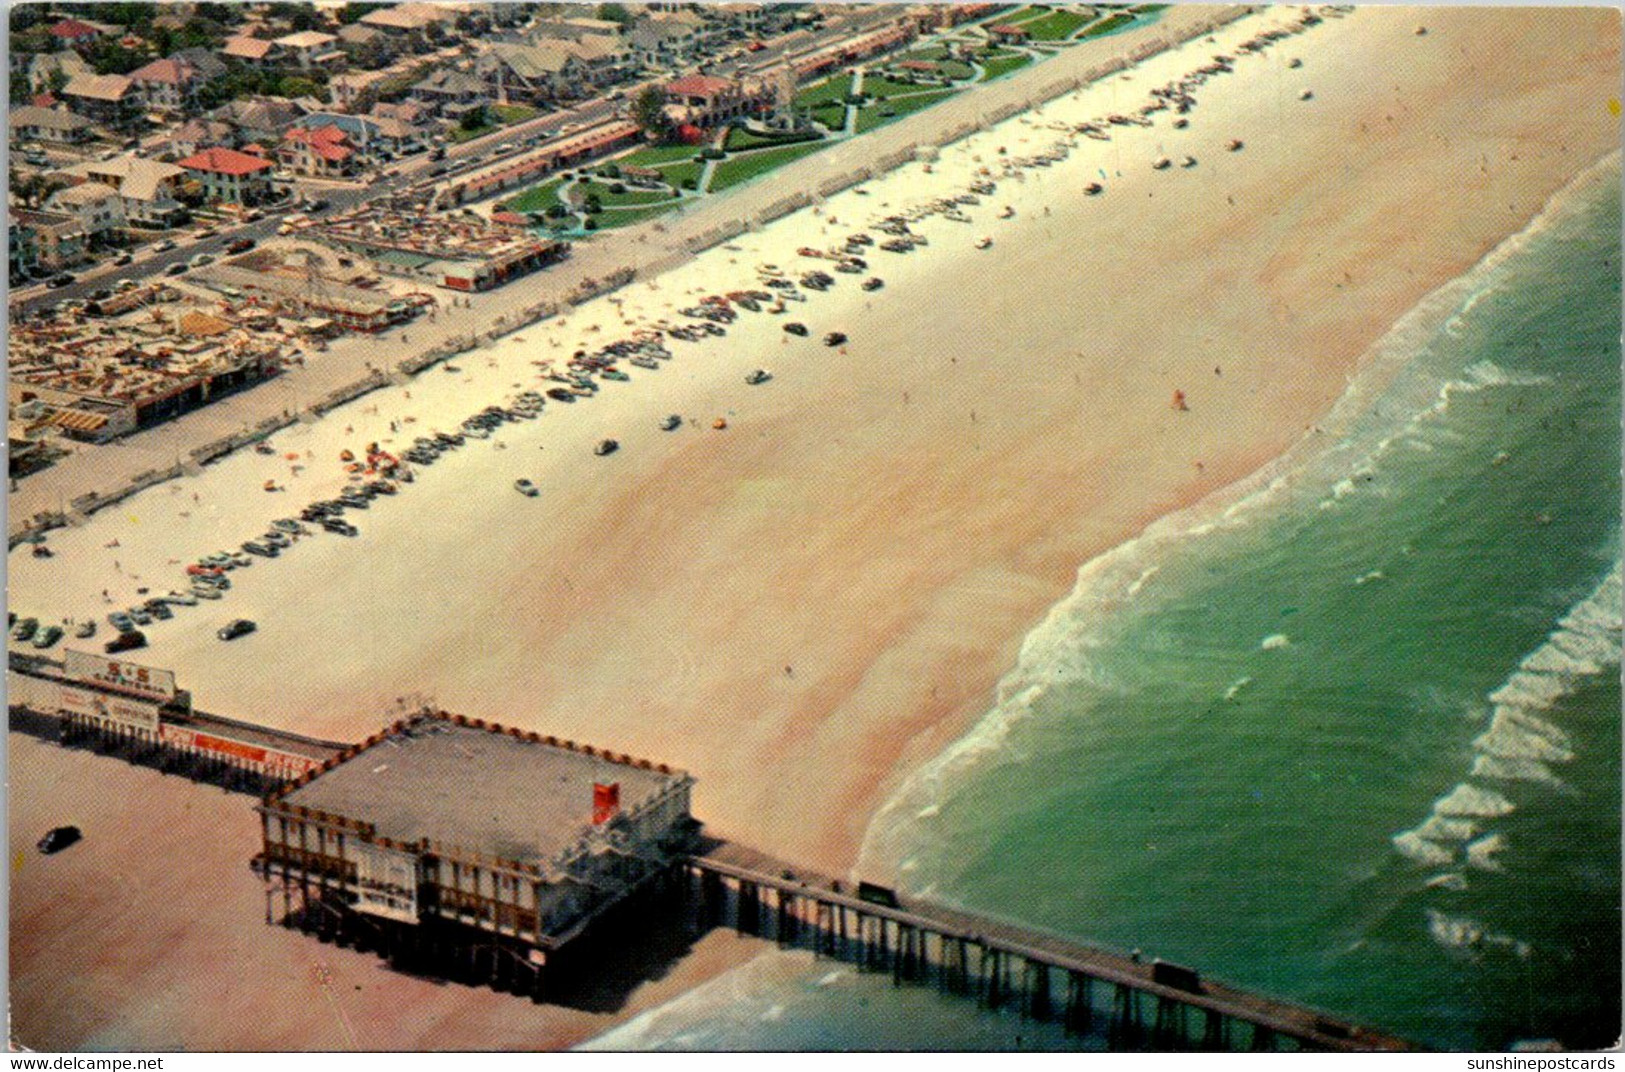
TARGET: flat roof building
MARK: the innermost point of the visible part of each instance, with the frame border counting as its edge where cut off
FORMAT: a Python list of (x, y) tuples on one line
[(443, 835)]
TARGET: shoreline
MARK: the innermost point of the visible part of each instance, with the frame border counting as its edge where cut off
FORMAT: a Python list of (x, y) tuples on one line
[(896, 565), (658, 247)]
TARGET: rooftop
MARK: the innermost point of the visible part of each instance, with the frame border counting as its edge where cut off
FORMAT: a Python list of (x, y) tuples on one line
[(495, 792), (306, 39), (251, 48), (107, 87), (225, 162), (30, 115), (699, 85)]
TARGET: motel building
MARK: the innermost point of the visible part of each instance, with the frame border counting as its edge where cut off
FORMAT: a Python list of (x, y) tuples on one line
[(469, 851)]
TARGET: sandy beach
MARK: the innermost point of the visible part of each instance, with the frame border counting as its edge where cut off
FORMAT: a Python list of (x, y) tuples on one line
[(803, 606)]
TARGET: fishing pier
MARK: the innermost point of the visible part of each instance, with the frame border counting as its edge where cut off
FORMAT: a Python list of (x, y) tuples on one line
[(493, 856)]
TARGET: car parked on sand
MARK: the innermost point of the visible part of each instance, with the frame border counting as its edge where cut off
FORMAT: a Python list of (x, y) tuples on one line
[(126, 641), (237, 628)]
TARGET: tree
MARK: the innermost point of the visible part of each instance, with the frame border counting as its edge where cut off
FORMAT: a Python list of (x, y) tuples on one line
[(649, 113), (475, 118), (110, 57), (615, 13), (354, 12), (295, 86), (299, 16)]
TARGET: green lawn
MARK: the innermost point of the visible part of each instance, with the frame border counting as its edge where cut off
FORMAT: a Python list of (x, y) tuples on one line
[(1056, 25), (1105, 26), (677, 174), (744, 168), (460, 135), (513, 113), (1031, 12), (632, 196), (655, 155), (835, 88), (1005, 64), (870, 117), (537, 198), (887, 87), (622, 217), (739, 138)]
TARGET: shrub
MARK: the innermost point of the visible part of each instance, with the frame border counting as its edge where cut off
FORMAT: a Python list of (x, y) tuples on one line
[(610, 171), (591, 224), (617, 188), (690, 184), (711, 154)]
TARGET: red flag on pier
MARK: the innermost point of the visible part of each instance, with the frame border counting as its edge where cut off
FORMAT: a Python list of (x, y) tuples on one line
[(606, 801)]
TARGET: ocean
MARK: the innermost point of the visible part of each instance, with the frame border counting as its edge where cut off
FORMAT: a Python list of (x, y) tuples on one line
[(1347, 733)]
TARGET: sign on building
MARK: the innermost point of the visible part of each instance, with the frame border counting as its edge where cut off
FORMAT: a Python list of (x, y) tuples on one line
[(284, 765), (118, 674), (387, 881), (110, 709)]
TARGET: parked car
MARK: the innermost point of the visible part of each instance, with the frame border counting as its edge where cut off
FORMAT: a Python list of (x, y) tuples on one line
[(135, 638), (124, 258), (205, 232), (239, 245), (165, 246), (58, 839), (175, 269), (237, 628), (62, 279)]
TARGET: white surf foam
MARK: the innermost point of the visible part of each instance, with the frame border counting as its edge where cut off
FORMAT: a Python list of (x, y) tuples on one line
[(1520, 745), (1470, 800), (1275, 642)]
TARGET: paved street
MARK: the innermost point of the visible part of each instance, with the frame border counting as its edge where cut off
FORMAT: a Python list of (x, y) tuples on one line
[(110, 466)]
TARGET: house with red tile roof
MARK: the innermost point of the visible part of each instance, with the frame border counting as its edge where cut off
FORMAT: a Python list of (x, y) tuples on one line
[(74, 33), (323, 151), (230, 176), (706, 101)]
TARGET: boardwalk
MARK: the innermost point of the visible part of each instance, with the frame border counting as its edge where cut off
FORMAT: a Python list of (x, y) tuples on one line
[(1004, 964)]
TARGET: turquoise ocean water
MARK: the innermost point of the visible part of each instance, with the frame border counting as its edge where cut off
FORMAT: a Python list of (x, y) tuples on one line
[(1349, 736)]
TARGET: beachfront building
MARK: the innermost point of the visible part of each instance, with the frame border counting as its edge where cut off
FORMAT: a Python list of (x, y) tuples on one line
[(453, 251), (705, 101), (231, 177), (465, 848)]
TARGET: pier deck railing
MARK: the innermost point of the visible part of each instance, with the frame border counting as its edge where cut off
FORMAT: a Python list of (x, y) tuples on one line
[(1044, 976)]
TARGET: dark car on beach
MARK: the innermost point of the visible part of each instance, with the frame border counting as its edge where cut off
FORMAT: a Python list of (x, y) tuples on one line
[(58, 839), (235, 629), (135, 638)]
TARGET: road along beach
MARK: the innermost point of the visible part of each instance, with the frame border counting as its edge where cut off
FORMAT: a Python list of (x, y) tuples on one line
[(804, 605)]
